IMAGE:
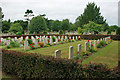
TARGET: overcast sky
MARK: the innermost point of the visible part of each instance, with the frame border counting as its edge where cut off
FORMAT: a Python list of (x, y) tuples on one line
[(58, 9)]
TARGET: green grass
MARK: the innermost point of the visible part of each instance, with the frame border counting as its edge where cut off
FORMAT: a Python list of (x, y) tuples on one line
[(51, 50), (107, 55)]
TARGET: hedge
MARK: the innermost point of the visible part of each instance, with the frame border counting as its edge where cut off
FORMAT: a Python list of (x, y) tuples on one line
[(32, 65), (90, 37)]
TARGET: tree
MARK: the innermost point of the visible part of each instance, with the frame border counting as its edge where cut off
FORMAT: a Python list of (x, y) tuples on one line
[(5, 26), (24, 24), (91, 13), (56, 25), (15, 27), (65, 25), (93, 27), (28, 14), (38, 24), (1, 14), (113, 28), (79, 30)]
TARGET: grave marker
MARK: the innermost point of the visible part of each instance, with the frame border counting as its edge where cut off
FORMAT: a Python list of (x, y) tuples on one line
[(71, 52), (58, 54)]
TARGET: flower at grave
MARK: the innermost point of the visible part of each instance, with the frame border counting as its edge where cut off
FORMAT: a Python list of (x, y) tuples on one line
[(77, 60), (59, 40), (78, 52), (41, 44), (32, 46), (0, 41), (24, 37), (38, 38), (48, 40), (91, 44), (88, 40)]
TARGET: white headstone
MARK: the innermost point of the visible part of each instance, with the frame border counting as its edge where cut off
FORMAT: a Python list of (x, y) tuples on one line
[(44, 41), (69, 37), (8, 42), (51, 41), (85, 46), (56, 40), (90, 44), (62, 39), (26, 45), (79, 48), (73, 38), (98, 41), (58, 54), (71, 52), (26, 38), (36, 43), (76, 37), (15, 38)]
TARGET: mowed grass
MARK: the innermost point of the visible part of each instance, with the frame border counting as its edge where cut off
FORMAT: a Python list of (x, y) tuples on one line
[(108, 55), (51, 50)]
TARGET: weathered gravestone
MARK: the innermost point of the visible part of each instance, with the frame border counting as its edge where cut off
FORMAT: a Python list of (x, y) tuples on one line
[(58, 54), (71, 52)]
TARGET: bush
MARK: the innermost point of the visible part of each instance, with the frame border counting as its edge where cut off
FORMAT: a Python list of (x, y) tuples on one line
[(8, 47), (32, 46), (61, 32), (19, 33), (99, 46), (29, 41), (109, 32), (45, 32), (53, 39), (118, 31), (103, 43), (31, 65), (14, 44), (101, 71)]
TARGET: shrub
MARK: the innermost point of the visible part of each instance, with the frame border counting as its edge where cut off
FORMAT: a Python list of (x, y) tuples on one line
[(53, 39), (118, 31), (31, 65), (100, 71), (8, 47), (19, 33), (32, 46), (61, 32), (99, 46), (103, 43), (29, 41), (14, 44), (109, 32), (45, 32)]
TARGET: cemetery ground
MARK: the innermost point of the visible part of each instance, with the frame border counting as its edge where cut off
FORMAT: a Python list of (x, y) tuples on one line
[(107, 55), (50, 51)]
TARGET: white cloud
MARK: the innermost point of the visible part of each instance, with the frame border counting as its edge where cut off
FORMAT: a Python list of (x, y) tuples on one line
[(58, 9)]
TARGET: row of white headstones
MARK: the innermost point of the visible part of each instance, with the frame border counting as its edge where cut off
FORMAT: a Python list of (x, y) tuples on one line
[(71, 49), (43, 39)]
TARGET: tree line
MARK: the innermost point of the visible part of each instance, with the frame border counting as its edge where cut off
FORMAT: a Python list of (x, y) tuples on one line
[(90, 21)]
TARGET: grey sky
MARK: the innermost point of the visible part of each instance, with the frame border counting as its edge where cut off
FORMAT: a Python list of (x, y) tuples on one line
[(58, 9)]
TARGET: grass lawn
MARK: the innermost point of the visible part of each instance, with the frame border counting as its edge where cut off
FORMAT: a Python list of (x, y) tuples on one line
[(51, 50), (108, 55)]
